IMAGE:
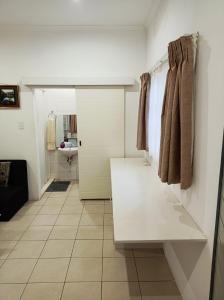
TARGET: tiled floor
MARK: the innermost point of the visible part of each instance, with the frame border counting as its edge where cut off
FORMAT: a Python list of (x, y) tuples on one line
[(61, 248)]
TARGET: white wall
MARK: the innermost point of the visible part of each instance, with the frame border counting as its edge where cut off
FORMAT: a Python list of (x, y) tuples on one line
[(76, 53), (191, 262)]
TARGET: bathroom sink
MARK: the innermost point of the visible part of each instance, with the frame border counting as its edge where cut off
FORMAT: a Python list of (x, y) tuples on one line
[(68, 152)]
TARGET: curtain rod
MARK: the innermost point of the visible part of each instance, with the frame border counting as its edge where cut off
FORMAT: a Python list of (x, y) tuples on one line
[(164, 58)]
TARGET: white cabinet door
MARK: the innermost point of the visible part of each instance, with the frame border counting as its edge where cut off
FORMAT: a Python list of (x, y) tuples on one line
[(100, 122)]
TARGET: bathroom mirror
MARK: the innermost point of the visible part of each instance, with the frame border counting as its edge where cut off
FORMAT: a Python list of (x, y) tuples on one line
[(66, 129)]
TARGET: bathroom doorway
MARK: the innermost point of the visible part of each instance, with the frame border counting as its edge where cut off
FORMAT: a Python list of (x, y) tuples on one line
[(56, 135)]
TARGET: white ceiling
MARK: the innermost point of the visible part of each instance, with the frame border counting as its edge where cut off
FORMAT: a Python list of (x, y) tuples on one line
[(75, 12)]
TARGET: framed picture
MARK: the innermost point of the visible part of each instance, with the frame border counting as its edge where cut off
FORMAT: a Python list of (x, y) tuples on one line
[(9, 96)]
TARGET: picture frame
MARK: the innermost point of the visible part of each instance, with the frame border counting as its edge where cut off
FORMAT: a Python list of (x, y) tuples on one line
[(9, 96)]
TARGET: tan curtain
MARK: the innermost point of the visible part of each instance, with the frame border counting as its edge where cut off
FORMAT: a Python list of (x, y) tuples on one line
[(175, 164), (73, 123), (142, 143)]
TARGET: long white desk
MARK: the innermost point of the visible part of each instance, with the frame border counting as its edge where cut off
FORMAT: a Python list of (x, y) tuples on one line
[(144, 209)]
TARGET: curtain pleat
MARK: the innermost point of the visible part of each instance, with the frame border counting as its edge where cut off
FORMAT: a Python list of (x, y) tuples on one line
[(143, 113), (175, 163)]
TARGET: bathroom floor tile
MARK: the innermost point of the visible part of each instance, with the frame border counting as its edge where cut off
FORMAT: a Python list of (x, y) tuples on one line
[(82, 291), (37, 233), (85, 269), (27, 249), (11, 291), (39, 202), (18, 223), (50, 270), (44, 291), (108, 233), (93, 209), (71, 220), (121, 291), (109, 250), (94, 202), (63, 232), (6, 248), (108, 219), (159, 291), (59, 194), (57, 248), (92, 219), (119, 269), (88, 248), (90, 233), (50, 210), (44, 220), (16, 270), (153, 269)]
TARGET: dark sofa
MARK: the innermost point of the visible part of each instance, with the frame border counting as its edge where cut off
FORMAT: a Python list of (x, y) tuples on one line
[(15, 194)]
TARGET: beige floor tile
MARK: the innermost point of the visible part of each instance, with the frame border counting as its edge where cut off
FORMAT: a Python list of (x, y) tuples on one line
[(72, 209), (16, 270), (90, 233), (108, 233), (70, 220), (119, 269), (63, 233), (94, 202), (55, 201), (93, 209), (85, 269), (50, 210), (37, 202), (148, 252), (159, 291), (73, 192), (108, 219), (58, 195), (88, 248), (57, 248), (73, 201), (27, 249), (44, 220), (11, 291), (29, 210), (121, 291), (82, 291), (109, 250), (18, 222), (5, 248), (91, 219), (153, 269), (37, 233), (108, 208), (1, 262), (10, 234), (44, 291), (50, 270)]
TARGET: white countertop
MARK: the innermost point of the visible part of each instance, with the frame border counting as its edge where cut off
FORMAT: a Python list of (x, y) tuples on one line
[(144, 209)]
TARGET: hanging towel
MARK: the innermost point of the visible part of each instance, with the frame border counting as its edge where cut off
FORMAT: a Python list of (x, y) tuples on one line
[(73, 123), (51, 134)]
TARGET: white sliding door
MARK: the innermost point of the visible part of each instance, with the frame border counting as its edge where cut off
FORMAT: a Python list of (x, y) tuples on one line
[(101, 134)]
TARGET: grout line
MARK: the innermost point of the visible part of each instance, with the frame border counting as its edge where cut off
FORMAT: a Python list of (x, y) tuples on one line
[(71, 254)]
